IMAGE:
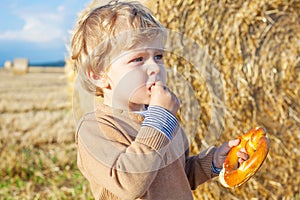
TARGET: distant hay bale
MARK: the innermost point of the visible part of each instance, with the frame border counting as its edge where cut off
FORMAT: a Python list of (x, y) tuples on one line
[(8, 65), (20, 66)]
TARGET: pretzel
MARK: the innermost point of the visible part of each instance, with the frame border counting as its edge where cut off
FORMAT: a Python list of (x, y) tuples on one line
[(257, 147)]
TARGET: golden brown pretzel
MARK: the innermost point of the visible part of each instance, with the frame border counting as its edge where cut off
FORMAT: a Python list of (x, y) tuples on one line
[(257, 146)]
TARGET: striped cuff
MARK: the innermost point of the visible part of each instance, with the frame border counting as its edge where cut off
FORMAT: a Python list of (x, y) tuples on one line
[(215, 169), (161, 119)]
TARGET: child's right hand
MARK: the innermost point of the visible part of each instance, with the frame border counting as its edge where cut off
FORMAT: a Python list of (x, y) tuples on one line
[(163, 97)]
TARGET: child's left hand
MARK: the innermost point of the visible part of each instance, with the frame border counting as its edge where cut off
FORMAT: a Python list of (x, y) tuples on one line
[(221, 153)]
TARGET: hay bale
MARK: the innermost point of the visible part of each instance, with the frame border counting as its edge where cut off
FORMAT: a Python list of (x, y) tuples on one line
[(8, 65), (255, 48), (20, 66)]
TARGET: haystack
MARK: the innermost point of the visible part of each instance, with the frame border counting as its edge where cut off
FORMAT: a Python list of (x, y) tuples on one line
[(20, 66), (255, 48), (8, 65)]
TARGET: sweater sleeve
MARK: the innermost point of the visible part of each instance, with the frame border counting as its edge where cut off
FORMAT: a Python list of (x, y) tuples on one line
[(198, 167), (108, 158)]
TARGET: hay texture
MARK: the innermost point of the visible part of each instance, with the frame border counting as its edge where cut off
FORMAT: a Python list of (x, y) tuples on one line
[(252, 79), (255, 47)]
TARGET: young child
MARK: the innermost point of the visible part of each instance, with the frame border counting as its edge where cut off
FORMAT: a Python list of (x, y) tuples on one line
[(131, 146)]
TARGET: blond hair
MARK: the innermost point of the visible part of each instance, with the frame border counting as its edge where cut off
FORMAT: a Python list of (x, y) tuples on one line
[(95, 36)]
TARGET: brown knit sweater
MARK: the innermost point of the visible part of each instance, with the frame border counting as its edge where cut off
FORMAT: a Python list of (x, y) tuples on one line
[(123, 160)]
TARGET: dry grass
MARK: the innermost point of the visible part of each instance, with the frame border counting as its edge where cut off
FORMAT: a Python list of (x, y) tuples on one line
[(37, 138)]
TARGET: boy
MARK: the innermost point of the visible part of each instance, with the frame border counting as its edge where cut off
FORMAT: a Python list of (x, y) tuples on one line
[(131, 146)]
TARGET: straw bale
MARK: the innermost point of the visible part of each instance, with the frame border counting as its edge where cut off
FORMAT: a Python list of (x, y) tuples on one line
[(255, 46), (20, 66), (8, 65)]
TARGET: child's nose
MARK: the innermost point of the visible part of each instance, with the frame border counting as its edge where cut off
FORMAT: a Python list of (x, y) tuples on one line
[(153, 68)]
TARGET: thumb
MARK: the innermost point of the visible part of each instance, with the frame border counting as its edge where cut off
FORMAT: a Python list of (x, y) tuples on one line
[(221, 153), (233, 143), (228, 145), (160, 83)]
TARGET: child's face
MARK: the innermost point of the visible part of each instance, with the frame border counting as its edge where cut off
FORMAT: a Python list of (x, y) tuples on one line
[(133, 73)]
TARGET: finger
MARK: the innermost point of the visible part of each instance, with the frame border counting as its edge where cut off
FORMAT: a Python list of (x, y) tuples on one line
[(241, 160), (243, 150), (177, 99), (158, 86), (242, 155), (225, 148), (233, 143), (159, 83)]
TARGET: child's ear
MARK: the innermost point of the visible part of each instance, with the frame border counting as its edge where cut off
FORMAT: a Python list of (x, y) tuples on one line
[(101, 81)]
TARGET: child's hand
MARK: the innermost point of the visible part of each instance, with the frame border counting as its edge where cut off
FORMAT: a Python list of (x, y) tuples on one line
[(221, 153), (163, 97)]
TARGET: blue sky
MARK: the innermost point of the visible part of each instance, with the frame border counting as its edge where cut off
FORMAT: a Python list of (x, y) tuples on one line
[(35, 29)]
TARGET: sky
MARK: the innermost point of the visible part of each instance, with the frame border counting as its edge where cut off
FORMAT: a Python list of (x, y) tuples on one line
[(37, 30)]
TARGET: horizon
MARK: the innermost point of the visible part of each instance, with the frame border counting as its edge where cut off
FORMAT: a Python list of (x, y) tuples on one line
[(52, 63)]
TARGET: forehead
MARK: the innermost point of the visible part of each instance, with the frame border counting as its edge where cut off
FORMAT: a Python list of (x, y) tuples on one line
[(155, 43), (135, 42)]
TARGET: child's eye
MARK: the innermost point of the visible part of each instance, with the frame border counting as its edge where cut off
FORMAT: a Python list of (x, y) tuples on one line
[(158, 57), (139, 59)]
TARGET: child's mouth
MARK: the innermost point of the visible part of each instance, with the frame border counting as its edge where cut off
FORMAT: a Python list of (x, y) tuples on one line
[(149, 86)]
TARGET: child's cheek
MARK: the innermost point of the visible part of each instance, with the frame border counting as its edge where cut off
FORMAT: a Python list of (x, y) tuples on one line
[(130, 84)]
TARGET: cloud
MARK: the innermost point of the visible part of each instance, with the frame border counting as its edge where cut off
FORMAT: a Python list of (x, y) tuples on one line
[(40, 26)]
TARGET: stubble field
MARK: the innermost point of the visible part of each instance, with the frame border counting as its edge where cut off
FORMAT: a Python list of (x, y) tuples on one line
[(38, 153)]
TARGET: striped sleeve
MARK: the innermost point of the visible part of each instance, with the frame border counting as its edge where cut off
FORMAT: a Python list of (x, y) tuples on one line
[(215, 169), (161, 119)]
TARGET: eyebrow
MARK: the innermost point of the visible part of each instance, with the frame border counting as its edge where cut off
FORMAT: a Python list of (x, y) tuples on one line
[(148, 48), (141, 50)]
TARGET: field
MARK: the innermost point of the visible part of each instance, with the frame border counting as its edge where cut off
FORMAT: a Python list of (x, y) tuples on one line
[(38, 153)]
